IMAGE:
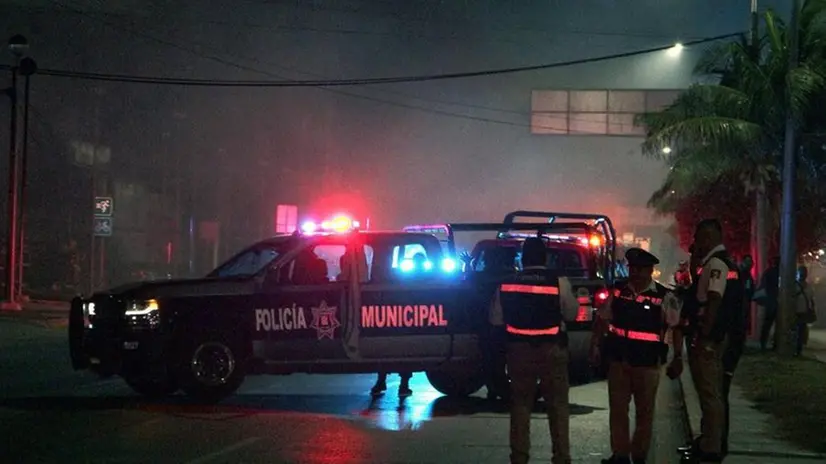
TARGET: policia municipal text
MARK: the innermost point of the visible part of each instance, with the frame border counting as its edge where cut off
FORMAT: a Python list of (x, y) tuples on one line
[(630, 332), (533, 303)]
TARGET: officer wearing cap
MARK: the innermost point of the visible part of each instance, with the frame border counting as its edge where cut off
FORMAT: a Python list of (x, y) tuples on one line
[(534, 302), (714, 313), (631, 332)]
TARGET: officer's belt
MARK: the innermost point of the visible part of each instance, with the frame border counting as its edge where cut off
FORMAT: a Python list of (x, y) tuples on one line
[(635, 335), (532, 332)]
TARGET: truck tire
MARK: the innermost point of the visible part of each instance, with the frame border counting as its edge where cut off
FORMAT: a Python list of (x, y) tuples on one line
[(152, 387), (456, 381), (76, 331), (211, 366)]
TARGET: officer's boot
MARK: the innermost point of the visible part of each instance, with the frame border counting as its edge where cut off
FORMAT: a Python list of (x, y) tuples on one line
[(689, 448), (380, 386), (404, 387)]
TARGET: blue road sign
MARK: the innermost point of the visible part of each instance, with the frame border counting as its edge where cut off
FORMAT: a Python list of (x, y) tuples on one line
[(103, 227)]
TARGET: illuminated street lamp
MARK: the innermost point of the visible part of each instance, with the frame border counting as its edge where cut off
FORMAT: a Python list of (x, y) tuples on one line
[(666, 150)]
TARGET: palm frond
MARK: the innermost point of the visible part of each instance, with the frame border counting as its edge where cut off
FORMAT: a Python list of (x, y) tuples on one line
[(803, 84), (715, 132)]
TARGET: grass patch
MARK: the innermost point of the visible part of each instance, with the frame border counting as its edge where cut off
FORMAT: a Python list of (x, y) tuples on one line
[(793, 391)]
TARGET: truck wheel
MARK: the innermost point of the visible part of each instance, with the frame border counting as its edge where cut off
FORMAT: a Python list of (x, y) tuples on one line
[(152, 387), (457, 381), (211, 367)]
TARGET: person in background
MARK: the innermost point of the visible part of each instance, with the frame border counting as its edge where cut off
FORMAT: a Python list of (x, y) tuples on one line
[(804, 309), (770, 283), (746, 268), (381, 384), (682, 278), (498, 265)]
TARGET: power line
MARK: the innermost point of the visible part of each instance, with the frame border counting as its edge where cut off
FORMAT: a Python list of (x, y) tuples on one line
[(117, 78), (199, 46), (297, 29), (357, 82), (496, 27), (196, 52)]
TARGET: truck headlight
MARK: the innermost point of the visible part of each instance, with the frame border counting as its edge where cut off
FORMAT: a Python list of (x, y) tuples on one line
[(141, 308), (89, 309)]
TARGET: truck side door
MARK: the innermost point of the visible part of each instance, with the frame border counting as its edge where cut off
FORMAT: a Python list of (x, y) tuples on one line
[(408, 312), (301, 306)]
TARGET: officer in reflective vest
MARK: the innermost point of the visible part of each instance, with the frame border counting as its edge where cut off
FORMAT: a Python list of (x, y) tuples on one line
[(631, 332), (534, 303), (714, 314)]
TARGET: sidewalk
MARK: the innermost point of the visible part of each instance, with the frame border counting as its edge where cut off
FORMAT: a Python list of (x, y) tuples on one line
[(751, 437), (817, 344), (43, 313)]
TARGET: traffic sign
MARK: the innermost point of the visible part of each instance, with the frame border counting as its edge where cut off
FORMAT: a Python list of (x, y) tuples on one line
[(103, 227), (104, 206)]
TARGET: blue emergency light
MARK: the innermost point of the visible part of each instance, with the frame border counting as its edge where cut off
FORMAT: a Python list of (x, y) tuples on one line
[(408, 265)]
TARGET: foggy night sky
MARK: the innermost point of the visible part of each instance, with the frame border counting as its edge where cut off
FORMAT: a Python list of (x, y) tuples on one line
[(253, 148)]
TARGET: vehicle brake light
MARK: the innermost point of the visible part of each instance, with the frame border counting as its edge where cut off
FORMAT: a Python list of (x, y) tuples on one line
[(584, 314), (601, 296)]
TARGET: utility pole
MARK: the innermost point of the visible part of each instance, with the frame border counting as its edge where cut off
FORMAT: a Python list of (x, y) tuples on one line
[(788, 252), (17, 45), (760, 218), (27, 68)]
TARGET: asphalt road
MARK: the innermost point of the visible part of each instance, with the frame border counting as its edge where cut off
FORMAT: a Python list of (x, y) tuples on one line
[(49, 413)]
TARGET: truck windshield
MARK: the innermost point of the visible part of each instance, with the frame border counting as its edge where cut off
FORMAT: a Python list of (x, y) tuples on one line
[(252, 260)]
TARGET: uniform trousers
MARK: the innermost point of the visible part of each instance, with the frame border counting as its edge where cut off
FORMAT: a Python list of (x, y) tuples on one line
[(731, 357), (624, 383), (546, 362), (706, 364)]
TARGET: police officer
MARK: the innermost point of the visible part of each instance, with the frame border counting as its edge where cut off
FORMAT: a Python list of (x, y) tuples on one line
[(635, 320), (712, 317), (534, 303)]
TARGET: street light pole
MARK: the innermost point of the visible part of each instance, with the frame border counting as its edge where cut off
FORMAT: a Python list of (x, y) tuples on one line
[(788, 253), (17, 45)]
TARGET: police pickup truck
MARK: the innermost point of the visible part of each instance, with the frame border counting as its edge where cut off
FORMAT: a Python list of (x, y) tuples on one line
[(314, 302), (581, 247)]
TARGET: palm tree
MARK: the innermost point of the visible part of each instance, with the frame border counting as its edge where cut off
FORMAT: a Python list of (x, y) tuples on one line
[(737, 126)]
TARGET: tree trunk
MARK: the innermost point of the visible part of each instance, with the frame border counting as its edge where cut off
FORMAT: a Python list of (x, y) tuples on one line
[(760, 235), (761, 231)]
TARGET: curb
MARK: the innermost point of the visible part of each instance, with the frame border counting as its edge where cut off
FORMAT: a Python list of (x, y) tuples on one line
[(691, 403)]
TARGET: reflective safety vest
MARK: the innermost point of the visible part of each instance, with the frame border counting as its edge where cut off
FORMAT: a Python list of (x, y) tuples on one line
[(731, 315), (637, 327), (530, 306)]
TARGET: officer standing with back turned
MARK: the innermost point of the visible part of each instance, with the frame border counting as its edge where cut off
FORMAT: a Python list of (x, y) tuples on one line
[(636, 317), (711, 319), (534, 303)]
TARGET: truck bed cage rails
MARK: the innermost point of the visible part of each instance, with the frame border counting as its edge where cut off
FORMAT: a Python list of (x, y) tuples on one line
[(449, 230), (601, 222)]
